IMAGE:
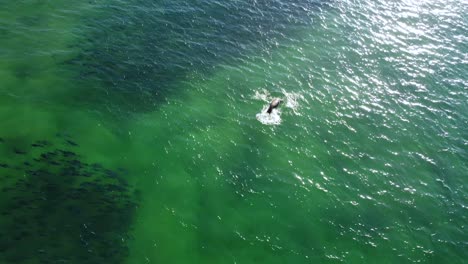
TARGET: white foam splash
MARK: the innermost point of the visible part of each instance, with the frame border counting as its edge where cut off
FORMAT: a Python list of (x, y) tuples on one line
[(262, 95), (269, 119), (292, 101)]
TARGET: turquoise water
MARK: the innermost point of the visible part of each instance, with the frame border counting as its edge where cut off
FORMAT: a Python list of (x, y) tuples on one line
[(132, 131)]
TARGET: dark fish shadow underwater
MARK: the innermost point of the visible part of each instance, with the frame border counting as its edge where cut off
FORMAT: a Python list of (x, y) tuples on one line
[(55, 207)]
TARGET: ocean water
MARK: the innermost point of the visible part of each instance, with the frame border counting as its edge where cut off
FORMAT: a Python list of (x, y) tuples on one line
[(134, 131)]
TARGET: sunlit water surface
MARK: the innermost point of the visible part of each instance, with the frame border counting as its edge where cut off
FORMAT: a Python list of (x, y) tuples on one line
[(134, 131)]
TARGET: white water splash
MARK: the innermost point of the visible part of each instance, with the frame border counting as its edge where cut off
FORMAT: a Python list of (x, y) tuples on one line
[(292, 101), (269, 119), (262, 95)]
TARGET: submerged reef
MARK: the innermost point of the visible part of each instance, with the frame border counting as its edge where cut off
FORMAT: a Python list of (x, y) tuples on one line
[(57, 208)]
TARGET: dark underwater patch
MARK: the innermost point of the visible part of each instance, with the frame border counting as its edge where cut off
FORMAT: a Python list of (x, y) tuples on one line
[(57, 208), (139, 50)]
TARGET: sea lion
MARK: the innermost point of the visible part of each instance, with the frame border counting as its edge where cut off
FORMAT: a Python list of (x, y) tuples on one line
[(274, 103)]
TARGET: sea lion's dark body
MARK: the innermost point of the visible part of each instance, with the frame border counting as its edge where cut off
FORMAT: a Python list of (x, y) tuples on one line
[(274, 103)]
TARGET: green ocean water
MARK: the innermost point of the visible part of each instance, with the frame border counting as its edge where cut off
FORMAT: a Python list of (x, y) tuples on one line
[(132, 131)]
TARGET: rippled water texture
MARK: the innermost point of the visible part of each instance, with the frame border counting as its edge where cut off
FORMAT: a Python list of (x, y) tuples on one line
[(134, 131)]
